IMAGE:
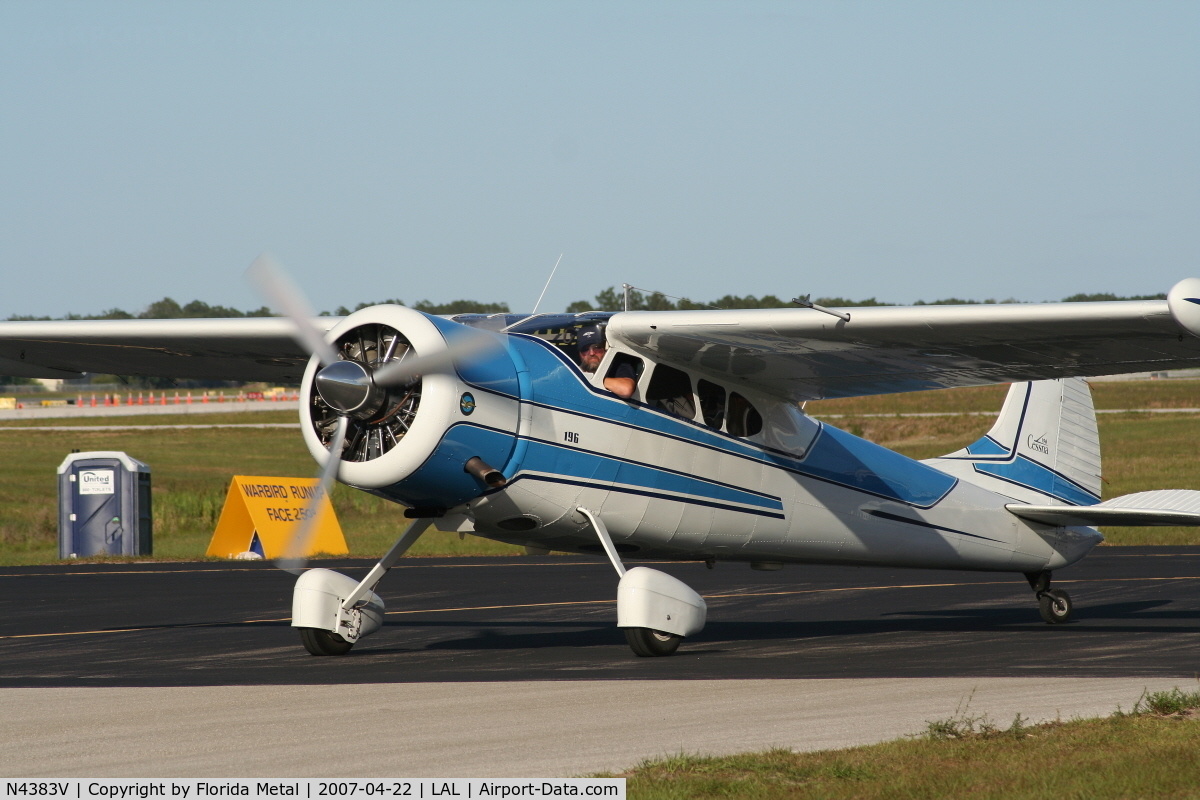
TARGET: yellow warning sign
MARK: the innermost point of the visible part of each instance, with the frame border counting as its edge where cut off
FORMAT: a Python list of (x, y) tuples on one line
[(261, 515)]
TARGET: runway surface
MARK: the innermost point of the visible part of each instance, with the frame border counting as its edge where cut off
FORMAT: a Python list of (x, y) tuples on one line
[(1137, 613), (511, 667), (514, 729)]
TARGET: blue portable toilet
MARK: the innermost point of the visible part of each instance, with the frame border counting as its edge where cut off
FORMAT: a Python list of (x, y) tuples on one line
[(103, 505)]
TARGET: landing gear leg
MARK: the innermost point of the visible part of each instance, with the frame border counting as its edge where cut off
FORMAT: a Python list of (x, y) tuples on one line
[(332, 612), (655, 610), (1054, 605)]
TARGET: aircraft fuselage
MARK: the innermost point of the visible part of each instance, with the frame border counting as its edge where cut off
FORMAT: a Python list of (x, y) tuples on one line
[(798, 490)]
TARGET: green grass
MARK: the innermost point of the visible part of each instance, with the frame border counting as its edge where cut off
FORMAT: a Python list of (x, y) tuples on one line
[(1150, 752), (191, 471), (1172, 702), (1174, 393)]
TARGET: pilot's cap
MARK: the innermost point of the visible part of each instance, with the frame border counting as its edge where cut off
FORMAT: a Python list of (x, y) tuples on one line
[(590, 335)]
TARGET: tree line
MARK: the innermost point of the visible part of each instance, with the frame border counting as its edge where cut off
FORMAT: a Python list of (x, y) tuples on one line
[(613, 299), (197, 309)]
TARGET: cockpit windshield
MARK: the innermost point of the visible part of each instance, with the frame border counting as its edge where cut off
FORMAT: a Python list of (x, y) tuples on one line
[(560, 330)]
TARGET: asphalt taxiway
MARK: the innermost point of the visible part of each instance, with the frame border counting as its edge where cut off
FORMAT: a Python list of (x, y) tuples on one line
[(1137, 612), (512, 666)]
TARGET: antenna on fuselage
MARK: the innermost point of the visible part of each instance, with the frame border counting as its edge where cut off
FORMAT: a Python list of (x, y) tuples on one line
[(547, 286)]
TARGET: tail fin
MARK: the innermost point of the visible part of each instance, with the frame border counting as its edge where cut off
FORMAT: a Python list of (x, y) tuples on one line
[(1043, 448)]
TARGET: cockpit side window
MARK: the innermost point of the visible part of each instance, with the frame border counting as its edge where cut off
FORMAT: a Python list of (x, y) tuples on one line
[(624, 365), (744, 419), (712, 403), (671, 390)]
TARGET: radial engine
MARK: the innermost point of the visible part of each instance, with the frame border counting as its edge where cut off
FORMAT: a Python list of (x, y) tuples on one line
[(431, 441)]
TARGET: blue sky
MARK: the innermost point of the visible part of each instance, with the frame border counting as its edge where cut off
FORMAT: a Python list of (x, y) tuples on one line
[(435, 151)]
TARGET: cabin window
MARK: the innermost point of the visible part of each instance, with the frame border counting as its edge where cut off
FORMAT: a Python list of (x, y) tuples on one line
[(744, 419), (624, 365), (671, 390), (712, 403)]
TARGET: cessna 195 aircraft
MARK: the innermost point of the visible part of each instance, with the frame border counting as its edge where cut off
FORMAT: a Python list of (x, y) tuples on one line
[(487, 424)]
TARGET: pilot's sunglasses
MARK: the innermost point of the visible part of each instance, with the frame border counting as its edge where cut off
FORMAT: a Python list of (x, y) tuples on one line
[(592, 347)]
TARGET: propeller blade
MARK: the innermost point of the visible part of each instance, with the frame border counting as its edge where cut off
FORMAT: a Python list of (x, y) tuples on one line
[(294, 559), (274, 284), (410, 365)]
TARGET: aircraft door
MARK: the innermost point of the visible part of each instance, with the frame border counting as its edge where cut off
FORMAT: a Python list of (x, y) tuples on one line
[(98, 530)]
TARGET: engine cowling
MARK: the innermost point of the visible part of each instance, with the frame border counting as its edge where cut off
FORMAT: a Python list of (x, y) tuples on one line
[(412, 442)]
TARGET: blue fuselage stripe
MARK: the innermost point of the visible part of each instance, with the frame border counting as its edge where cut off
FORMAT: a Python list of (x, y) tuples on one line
[(834, 457), (1040, 478), (556, 386), (572, 462), (610, 487), (834, 462)]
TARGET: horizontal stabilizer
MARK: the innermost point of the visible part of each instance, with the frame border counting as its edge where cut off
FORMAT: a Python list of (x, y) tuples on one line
[(1162, 507)]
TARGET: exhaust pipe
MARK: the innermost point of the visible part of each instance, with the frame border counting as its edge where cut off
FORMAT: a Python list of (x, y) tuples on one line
[(478, 468)]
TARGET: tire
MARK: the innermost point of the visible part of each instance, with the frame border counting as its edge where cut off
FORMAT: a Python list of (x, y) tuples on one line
[(321, 642), (1055, 606), (647, 643)]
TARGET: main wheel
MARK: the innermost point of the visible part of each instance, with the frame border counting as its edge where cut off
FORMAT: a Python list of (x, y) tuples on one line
[(1055, 606), (645, 642), (321, 642)]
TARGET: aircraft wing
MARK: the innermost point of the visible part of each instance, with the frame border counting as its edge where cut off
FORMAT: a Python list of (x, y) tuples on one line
[(801, 354), (247, 349), (805, 354)]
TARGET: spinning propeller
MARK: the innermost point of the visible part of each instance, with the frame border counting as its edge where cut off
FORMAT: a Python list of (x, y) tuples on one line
[(370, 384)]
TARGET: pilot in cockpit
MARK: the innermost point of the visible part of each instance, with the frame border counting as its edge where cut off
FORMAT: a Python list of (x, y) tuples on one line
[(622, 379)]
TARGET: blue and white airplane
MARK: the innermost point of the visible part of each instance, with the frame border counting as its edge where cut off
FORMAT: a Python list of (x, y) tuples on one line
[(488, 425)]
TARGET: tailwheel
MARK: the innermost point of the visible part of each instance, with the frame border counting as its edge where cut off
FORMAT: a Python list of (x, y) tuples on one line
[(646, 642), (1054, 606), (321, 642)]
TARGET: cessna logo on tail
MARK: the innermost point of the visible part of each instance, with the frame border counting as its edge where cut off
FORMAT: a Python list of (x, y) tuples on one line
[(1039, 444)]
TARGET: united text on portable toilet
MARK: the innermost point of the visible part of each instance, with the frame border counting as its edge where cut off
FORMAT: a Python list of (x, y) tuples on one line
[(103, 505)]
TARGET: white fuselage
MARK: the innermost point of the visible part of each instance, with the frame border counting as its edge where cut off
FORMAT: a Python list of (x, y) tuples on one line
[(796, 491)]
